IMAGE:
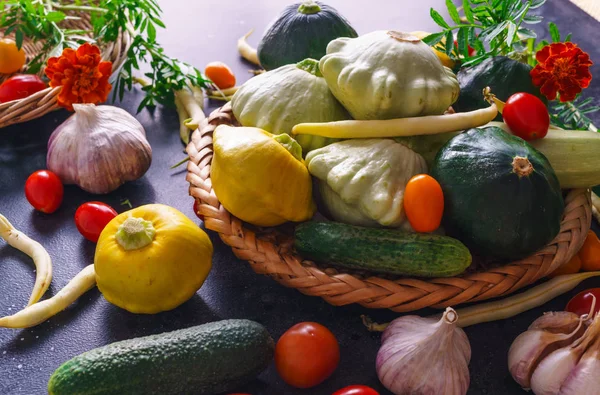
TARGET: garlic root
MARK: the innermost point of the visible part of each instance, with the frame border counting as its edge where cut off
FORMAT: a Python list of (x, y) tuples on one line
[(246, 51), (40, 312), (41, 259)]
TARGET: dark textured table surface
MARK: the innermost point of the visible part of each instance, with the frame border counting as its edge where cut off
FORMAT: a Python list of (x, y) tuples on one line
[(200, 32)]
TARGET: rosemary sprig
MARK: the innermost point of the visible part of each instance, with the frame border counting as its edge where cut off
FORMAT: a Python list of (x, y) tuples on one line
[(573, 115), (491, 27)]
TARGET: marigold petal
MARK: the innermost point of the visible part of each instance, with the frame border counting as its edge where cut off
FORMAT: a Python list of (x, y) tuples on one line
[(543, 54), (549, 89)]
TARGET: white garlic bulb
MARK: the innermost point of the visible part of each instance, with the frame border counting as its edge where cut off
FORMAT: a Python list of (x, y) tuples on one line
[(99, 148), (554, 362), (423, 356)]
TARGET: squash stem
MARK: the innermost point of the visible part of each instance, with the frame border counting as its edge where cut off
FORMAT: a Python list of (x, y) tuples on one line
[(135, 233), (492, 99), (290, 145), (309, 7), (310, 66), (373, 326)]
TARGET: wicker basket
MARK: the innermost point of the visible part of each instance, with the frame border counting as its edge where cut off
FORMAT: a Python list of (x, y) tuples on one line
[(45, 101), (271, 252)]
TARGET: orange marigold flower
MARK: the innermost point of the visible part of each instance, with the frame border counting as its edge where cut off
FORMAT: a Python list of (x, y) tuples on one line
[(82, 74), (562, 68)]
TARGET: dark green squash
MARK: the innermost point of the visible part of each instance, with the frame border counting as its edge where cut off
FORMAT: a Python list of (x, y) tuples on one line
[(302, 31), (501, 196), (503, 75)]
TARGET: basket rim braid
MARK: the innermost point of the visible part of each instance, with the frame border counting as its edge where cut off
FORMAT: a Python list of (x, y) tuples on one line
[(271, 252), (45, 101)]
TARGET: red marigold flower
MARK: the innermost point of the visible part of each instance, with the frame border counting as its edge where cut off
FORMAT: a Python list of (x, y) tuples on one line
[(562, 68), (82, 74)]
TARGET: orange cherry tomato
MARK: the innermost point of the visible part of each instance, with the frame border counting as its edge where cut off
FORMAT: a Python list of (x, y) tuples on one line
[(220, 74), (424, 203), (306, 354), (590, 253), (11, 58), (571, 267)]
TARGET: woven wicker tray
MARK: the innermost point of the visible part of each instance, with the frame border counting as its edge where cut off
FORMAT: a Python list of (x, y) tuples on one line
[(45, 101), (270, 251)]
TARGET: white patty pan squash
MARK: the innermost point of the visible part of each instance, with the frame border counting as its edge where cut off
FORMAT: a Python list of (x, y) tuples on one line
[(387, 74), (362, 181), (277, 100)]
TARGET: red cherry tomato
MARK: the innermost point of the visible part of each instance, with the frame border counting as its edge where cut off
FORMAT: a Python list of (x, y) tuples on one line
[(472, 51), (581, 303), (92, 217), (196, 210), (44, 191), (526, 116), (356, 390), (20, 86), (306, 355)]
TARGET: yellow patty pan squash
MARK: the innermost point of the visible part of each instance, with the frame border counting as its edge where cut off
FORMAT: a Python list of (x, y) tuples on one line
[(259, 177), (151, 259)]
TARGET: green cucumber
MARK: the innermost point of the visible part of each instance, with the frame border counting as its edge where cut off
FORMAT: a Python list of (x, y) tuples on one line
[(204, 359), (381, 250)]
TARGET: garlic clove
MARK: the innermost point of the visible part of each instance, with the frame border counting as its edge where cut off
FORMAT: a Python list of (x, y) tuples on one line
[(585, 377), (549, 375)]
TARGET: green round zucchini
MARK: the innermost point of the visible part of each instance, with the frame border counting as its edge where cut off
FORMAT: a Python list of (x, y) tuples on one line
[(501, 195), (302, 31)]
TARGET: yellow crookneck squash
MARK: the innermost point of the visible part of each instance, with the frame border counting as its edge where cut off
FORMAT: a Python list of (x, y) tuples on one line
[(151, 259), (259, 177)]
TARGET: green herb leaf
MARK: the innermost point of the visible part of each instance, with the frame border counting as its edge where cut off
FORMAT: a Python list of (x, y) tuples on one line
[(467, 11), (19, 38), (554, 33), (536, 4), (151, 32), (533, 19), (453, 11), (449, 43), (525, 33), (462, 41), (510, 36), (568, 38), (434, 38), (437, 18), (55, 16)]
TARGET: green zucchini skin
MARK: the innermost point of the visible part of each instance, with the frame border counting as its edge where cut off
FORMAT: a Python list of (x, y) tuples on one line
[(295, 36), (487, 205), (503, 75), (381, 250), (205, 359)]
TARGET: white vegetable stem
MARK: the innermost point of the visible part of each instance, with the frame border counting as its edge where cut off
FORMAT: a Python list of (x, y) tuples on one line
[(40, 312), (41, 259), (188, 101), (184, 132), (517, 304), (246, 51), (414, 126)]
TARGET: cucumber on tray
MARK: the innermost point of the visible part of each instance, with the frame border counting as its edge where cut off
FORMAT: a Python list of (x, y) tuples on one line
[(381, 250)]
